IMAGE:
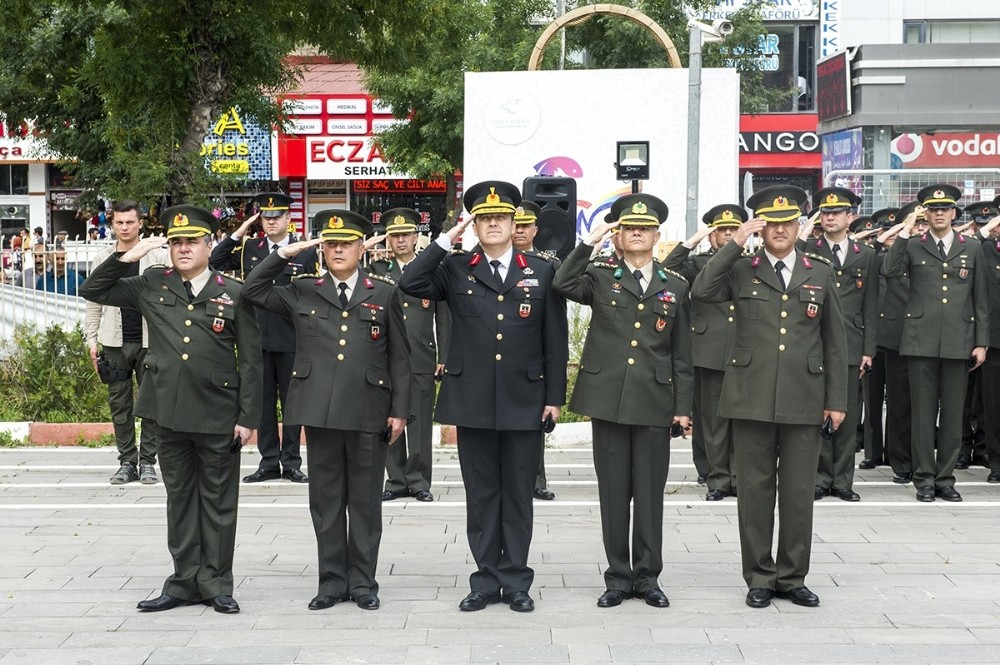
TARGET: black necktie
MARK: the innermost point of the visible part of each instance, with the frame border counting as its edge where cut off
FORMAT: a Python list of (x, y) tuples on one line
[(496, 272), (941, 249), (836, 256), (638, 278), (190, 293), (779, 270), (274, 247), (343, 294)]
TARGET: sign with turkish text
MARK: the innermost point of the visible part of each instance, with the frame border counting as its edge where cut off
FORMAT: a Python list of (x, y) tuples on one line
[(771, 10), (833, 87), (237, 147)]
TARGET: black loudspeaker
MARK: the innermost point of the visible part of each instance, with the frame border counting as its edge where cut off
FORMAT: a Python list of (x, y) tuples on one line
[(557, 220)]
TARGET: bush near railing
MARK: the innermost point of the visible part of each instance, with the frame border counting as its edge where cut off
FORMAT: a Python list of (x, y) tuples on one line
[(47, 376)]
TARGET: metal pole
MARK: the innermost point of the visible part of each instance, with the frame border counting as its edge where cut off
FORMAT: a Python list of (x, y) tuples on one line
[(635, 186), (694, 130), (561, 9)]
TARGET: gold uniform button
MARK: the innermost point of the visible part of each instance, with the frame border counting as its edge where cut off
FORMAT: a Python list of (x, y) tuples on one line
[(161, 299), (294, 373), (187, 340), (190, 307), (184, 356), (469, 292), (221, 308), (380, 382), (840, 272), (784, 315), (404, 317), (343, 328), (312, 311), (837, 285), (784, 296), (641, 307), (730, 319), (499, 336), (754, 293), (732, 307), (499, 357), (499, 317), (614, 302), (638, 325), (634, 343), (500, 298), (406, 304), (344, 315), (944, 276), (340, 356), (944, 300), (945, 264), (781, 347), (343, 342), (631, 361), (783, 331), (188, 322), (944, 288)]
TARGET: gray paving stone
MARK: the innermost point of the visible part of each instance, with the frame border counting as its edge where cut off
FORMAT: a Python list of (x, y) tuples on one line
[(223, 655), (375, 653), (15, 639), (552, 653), (675, 653), (438, 655), (116, 655)]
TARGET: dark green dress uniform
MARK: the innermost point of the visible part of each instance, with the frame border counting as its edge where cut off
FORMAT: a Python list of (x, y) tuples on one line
[(787, 365), (635, 376), (408, 463), (202, 378), (946, 317), (351, 373), (991, 368), (506, 362), (279, 448), (856, 284), (711, 332)]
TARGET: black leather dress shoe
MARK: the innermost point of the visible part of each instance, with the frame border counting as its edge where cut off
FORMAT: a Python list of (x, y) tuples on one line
[(654, 598), (519, 601), (925, 493), (902, 478), (962, 462), (716, 495), (846, 495), (544, 493), (223, 604), (260, 476), (369, 601), (295, 475), (390, 495), (478, 600), (820, 493), (799, 596), (980, 460), (613, 598), (423, 495), (702, 479), (323, 601), (866, 464), (759, 597), (949, 494), (994, 477), (164, 602)]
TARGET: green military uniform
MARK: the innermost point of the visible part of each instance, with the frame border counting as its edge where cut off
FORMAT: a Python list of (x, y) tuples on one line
[(946, 317), (991, 368), (856, 285), (711, 333), (202, 378), (408, 463), (635, 376), (787, 365)]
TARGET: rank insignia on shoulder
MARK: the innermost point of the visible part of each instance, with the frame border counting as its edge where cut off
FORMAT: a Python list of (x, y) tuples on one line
[(305, 274), (671, 272), (755, 263), (381, 278), (168, 272), (662, 274), (369, 284), (522, 262), (219, 279), (815, 257)]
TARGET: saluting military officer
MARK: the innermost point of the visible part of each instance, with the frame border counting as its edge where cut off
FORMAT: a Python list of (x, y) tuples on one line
[(279, 447), (786, 376), (350, 389), (635, 381), (505, 376), (945, 334), (711, 327), (856, 285), (408, 463), (523, 239), (201, 387)]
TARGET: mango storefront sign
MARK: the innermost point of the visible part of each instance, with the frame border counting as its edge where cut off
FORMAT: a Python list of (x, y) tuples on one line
[(237, 147)]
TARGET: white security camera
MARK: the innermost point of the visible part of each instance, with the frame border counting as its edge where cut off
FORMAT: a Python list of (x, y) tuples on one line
[(723, 26)]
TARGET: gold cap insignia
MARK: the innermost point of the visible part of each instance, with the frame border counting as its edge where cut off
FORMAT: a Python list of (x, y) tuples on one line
[(493, 198), (868, 225), (335, 223), (832, 198), (181, 220), (399, 219), (780, 201), (938, 194), (519, 212), (727, 214), (270, 202), (892, 217), (639, 208), (986, 211)]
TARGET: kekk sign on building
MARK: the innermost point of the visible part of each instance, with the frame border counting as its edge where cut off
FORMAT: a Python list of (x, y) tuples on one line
[(236, 146)]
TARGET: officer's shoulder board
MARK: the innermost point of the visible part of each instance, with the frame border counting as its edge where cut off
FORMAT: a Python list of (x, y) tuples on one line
[(310, 275), (231, 278), (819, 258), (383, 278), (603, 264), (673, 273), (457, 251)]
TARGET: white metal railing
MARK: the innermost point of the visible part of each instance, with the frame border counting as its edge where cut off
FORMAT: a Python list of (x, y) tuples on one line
[(19, 305), (884, 188)]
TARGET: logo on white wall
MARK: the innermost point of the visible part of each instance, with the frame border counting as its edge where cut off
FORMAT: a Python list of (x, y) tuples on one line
[(511, 116), (907, 147)]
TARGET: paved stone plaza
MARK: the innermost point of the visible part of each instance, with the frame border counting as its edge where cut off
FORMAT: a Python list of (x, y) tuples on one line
[(900, 581)]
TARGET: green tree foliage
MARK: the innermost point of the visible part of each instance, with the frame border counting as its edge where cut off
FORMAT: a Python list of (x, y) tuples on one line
[(129, 87)]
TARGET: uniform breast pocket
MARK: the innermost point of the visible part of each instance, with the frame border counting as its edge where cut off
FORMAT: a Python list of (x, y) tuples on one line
[(752, 300), (158, 306), (220, 310), (609, 311), (311, 319), (470, 301), (811, 302)]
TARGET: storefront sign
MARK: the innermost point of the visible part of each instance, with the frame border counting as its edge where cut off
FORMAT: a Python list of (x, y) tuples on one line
[(332, 157), (844, 151), (771, 10), (400, 186), (779, 141), (238, 148), (754, 142), (833, 87), (829, 27), (941, 150)]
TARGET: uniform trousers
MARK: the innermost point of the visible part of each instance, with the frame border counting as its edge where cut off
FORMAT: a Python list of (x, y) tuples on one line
[(498, 470), (408, 460), (991, 402), (345, 481), (631, 462), (278, 448), (936, 383), (898, 443), (201, 477), (699, 454), (128, 358), (716, 432), (836, 457), (873, 389), (760, 448)]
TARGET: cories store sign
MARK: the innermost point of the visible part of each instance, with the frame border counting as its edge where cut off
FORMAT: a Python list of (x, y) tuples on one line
[(236, 146)]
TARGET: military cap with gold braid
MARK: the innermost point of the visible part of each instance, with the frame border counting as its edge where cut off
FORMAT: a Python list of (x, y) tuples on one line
[(778, 203), (273, 204), (939, 196), (639, 210), (725, 215), (491, 197), (865, 223), (188, 221), (981, 212), (400, 220), (907, 209), (833, 199), (886, 218), (527, 213), (342, 225)]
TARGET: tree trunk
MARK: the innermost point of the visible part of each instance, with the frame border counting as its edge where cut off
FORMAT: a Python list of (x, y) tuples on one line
[(204, 104)]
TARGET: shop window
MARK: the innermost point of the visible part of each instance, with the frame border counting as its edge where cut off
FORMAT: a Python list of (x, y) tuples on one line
[(789, 63), (951, 32), (13, 180)]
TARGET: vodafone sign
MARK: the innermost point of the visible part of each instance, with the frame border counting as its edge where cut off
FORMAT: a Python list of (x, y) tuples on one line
[(940, 150), (344, 157)]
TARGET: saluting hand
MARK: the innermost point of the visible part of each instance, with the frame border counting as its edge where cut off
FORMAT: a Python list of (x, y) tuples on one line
[(890, 233), (600, 232), (296, 248), (989, 226), (142, 248), (245, 226), (456, 231), (698, 236), (374, 240), (747, 229), (911, 219)]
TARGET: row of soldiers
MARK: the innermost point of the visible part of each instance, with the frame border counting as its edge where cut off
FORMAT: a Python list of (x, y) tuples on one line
[(786, 353)]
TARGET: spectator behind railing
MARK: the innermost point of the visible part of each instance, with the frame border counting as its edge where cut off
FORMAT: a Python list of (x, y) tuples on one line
[(58, 278)]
